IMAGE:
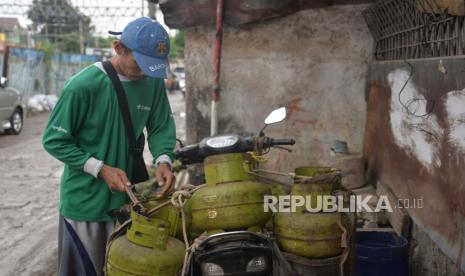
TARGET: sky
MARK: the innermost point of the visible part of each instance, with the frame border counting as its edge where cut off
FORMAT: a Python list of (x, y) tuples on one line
[(102, 24)]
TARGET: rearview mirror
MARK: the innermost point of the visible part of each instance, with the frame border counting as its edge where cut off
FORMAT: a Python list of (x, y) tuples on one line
[(3, 81), (276, 116)]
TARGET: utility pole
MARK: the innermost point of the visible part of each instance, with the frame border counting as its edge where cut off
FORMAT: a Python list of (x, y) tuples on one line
[(142, 5), (217, 67), (28, 37), (97, 42), (81, 37), (46, 33), (152, 10)]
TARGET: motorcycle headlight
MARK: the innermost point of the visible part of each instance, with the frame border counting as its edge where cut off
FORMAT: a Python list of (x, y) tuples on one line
[(257, 264), (212, 269)]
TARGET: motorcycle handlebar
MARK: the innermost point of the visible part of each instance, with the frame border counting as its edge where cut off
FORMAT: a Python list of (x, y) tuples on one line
[(282, 142), (197, 152)]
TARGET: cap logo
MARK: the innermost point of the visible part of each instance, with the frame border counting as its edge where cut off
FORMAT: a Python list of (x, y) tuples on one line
[(161, 48), (156, 67)]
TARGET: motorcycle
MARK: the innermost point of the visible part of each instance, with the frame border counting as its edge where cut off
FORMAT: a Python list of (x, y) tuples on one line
[(229, 209)]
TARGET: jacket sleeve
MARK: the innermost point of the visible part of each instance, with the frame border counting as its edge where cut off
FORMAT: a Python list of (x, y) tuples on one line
[(59, 138), (161, 129)]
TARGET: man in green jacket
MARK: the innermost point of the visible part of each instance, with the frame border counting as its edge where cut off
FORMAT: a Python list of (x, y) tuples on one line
[(86, 132)]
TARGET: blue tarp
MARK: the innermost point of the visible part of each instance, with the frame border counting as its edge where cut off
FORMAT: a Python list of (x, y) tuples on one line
[(75, 58), (26, 53), (29, 73)]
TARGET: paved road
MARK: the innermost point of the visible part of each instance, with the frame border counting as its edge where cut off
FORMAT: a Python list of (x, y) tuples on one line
[(33, 127), (28, 202), (29, 190)]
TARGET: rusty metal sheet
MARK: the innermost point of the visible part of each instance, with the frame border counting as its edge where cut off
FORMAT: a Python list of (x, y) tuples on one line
[(454, 7), (187, 13), (415, 143)]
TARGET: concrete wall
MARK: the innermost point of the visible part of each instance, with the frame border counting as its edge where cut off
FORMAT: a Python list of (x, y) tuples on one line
[(314, 62), (415, 143), (427, 259)]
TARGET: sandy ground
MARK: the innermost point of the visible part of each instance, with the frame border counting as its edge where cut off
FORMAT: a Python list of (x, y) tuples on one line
[(29, 190)]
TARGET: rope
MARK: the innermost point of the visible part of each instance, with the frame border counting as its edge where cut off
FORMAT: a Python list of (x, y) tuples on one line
[(344, 245), (291, 175), (257, 158), (116, 233), (178, 200), (347, 239), (190, 250), (155, 209), (344, 234), (333, 177), (269, 178)]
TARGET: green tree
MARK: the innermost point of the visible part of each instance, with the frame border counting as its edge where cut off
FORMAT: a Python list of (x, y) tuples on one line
[(59, 23), (105, 42), (69, 43), (177, 45)]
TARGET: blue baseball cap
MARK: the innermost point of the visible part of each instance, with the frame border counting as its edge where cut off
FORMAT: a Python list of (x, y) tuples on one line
[(150, 45)]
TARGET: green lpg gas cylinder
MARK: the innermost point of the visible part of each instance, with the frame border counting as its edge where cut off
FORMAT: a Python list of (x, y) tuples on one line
[(314, 190), (145, 249), (232, 199), (227, 168), (311, 235), (277, 190), (171, 214)]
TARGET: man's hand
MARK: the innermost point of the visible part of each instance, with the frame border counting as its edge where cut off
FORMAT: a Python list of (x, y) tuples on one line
[(115, 178), (165, 178)]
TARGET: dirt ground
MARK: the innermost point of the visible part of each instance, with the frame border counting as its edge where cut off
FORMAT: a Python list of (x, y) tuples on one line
[(29, 191)]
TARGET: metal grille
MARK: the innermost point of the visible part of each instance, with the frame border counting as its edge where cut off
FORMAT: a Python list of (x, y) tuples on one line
[(403, 30)]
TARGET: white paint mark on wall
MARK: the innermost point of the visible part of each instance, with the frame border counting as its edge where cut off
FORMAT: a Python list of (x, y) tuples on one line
[(204, 109), (455, 106), (416, 134)]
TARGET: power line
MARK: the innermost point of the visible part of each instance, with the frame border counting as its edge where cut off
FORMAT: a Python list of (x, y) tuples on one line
[(63, 11), (104, 16)]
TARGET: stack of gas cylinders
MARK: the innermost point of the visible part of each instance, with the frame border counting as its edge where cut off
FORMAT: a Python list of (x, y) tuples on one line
[(232, 199)]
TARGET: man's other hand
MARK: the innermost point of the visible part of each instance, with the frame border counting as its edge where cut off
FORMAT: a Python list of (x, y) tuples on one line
[(115, 178), (165, 178)]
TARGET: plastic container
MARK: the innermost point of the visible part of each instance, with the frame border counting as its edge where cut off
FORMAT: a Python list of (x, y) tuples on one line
[(381, 254)]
